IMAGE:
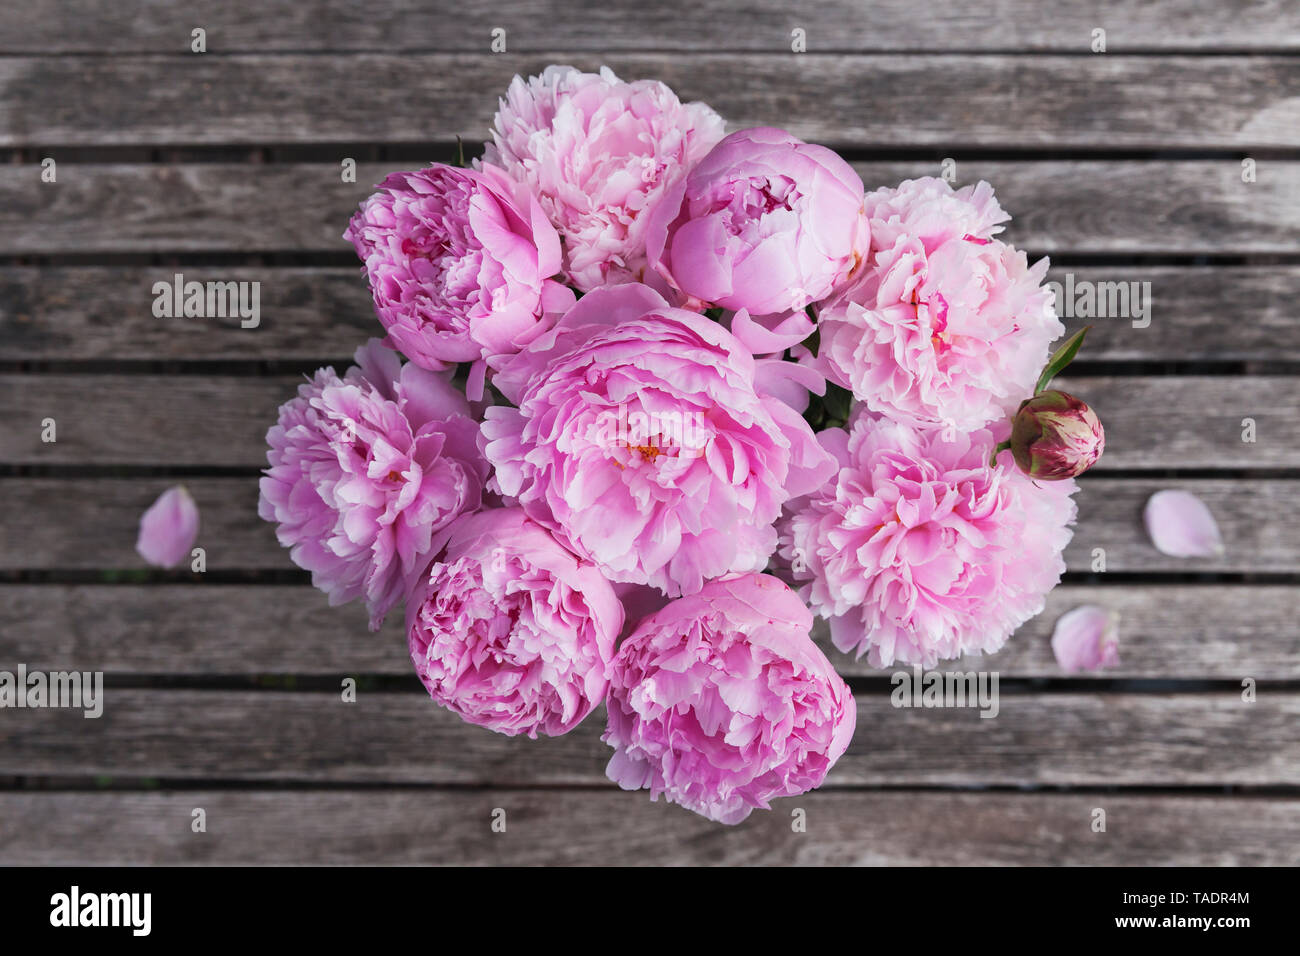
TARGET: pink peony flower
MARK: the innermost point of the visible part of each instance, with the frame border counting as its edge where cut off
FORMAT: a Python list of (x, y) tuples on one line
[(511, 631), (168, 528), (364, 469), (641, 439), (599, 153), (459, 263), (930, 210), (765, 222), (721, 701), (945, 325), (919, 550)]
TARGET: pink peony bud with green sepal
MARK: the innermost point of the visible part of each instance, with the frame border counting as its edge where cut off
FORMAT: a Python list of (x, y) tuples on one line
[(1055, 435)]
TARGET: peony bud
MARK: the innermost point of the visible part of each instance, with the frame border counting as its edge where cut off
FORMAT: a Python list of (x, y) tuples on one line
[(1056, 436)]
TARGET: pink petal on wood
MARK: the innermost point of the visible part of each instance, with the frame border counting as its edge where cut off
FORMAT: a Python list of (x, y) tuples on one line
[(168, 528), (1086, 638), (1181, 525)]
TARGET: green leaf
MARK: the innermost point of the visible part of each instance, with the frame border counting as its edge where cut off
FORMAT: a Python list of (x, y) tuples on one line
[(838, 403), (1060, 359)]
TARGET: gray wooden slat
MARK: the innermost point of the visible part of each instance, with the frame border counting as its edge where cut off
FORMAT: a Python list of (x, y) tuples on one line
[(107, 313), (1221, 314), (1174, 631), (193, 629), (1183, 631), (1082, 207), (1259, 520), (152, 419), (222, 420), (1137, 207), (603, 827), (163, 26), (1102, 101), (1066, 739), (1192, 421), (1228, 313), (93, 523), (73, 523)]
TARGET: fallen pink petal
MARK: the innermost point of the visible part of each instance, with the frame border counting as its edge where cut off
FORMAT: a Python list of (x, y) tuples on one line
[(1182, 526), (168, 529), (1086, 639)]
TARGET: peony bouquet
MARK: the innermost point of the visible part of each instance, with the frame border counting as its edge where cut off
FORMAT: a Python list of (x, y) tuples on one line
[(669, 394)]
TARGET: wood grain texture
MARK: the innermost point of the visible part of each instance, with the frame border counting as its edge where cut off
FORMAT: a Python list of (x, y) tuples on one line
[(1057, 739), (1081, 207), (222, 420), (1239, 631), (1102, 101), (78, 523), (317, 314), (392, 26), (1219, 314), (230, 160), (1180, 631), (306, 314), (568, 828)]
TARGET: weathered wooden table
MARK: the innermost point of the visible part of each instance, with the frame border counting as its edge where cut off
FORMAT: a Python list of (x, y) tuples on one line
[(1129, 165)]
